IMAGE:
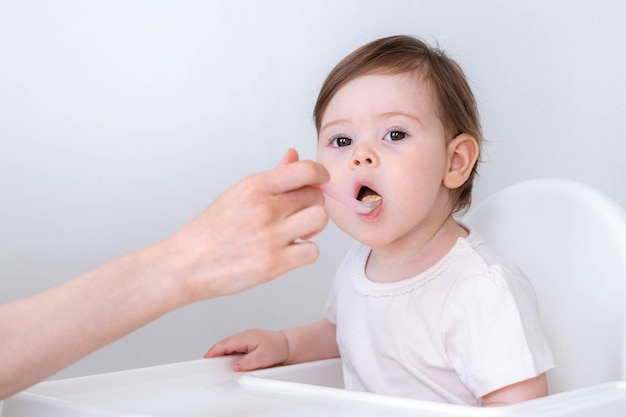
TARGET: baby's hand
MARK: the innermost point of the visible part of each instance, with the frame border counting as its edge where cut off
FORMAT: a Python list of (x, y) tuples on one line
[(261, 349)]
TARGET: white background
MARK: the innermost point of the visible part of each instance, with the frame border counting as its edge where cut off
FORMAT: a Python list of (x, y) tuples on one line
[(121, 120)]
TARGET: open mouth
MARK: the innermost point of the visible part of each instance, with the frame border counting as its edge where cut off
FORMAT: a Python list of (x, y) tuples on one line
[(367, 195)]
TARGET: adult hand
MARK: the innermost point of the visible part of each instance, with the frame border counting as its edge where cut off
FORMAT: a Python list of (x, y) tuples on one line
[(253, 232)]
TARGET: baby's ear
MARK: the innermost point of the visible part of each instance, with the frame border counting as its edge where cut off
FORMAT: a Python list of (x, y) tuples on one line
[(462, 156)]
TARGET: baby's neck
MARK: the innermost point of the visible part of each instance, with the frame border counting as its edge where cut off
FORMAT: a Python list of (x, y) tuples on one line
[(409, 257)]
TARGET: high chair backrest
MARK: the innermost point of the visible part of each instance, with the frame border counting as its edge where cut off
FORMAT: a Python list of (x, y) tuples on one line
[(570, 240)]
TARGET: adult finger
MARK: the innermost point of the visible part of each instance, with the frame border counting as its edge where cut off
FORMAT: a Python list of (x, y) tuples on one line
[(302, 225), (292, 202), (290, 157), (305, 224), (295, 175), (298, 254)]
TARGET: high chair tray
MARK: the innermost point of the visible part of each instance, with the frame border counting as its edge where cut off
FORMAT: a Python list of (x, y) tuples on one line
[(209, 387)]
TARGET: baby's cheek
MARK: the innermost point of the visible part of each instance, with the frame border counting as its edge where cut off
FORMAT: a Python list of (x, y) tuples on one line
[(336, 211)]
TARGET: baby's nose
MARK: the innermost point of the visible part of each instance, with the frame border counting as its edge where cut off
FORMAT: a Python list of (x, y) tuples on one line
[(364, 156)]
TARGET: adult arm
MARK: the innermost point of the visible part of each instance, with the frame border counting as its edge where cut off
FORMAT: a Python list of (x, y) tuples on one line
[(252, 233)]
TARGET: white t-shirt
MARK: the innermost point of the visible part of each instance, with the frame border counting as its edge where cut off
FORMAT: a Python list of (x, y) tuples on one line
[(465, 327)]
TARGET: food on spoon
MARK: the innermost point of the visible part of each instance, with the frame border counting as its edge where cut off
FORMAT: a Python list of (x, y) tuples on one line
[(370, 198)]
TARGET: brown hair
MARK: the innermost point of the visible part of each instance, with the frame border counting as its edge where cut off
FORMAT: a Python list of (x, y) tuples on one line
[(456, 106)]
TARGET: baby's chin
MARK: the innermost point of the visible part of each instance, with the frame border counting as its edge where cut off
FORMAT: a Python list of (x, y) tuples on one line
[(358, 231)]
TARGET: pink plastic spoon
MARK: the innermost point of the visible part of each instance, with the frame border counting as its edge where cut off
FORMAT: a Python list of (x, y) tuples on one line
[(333, 191)]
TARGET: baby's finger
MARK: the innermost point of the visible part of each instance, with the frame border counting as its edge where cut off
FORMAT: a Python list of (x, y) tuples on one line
[(257, 359), (248, 362), (229, 346)]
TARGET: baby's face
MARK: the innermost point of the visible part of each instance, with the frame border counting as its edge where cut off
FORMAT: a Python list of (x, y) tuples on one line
[(380, 135)]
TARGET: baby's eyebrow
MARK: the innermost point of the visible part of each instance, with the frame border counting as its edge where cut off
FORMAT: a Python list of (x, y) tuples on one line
[(333, 122), (404, 114)]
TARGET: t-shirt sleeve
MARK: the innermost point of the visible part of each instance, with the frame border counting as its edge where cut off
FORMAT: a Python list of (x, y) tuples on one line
[(492, 331)]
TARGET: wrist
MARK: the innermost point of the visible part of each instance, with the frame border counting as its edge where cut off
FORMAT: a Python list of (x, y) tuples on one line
[(287, 347), (160, 273)]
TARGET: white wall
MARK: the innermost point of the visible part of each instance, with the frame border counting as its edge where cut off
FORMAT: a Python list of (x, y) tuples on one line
[(121, 120)]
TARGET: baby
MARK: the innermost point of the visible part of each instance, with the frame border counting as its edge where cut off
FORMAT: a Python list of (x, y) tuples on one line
[(420, 307)]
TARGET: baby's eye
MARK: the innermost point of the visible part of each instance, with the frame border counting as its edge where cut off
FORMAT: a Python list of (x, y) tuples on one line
[(340, 142), (395, 135)]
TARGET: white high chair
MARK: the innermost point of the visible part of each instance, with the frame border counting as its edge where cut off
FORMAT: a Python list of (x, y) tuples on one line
[(570, 240)]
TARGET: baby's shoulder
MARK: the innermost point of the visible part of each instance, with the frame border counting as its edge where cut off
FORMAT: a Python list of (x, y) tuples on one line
[(483, 273)]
